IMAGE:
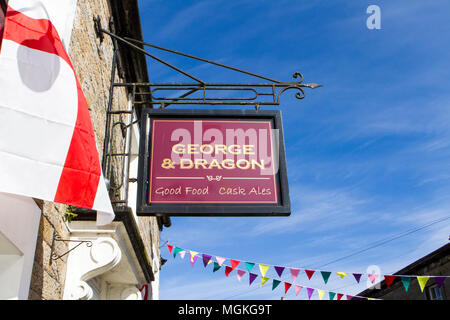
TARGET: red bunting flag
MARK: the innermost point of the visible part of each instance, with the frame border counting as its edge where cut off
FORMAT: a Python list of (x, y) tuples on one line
[(228, 270), (170, 248), (389, 280), (309, 273), (339, 296), (287, 286), (234, 263)]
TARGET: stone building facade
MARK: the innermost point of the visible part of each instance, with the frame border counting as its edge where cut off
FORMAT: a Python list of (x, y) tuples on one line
[(437, 263), (74, 258)]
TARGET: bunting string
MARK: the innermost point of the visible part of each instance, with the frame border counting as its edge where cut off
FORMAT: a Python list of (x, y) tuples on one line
[(294, 272)]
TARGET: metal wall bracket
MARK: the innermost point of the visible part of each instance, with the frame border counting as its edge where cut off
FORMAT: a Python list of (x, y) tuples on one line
[(54, 256)]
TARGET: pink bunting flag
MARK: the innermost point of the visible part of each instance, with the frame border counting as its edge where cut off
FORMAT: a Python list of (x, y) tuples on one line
[(373, 277), (349, 297), (220, 260), (294, 273), (182, 253), (297, 289), (240, 273)]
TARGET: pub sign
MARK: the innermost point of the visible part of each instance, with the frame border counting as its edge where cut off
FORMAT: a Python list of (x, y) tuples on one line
[(212, 163)]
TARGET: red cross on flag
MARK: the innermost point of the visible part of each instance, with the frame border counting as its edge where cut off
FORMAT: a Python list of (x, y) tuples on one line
[(47, 143)]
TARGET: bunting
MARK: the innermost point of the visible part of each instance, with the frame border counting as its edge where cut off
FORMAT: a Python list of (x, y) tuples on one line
[(422, 281), (240, 274), (294, 273), (263, 280), (249, 266), (275, 283), (325, 275), (263, 268), (251, 278)]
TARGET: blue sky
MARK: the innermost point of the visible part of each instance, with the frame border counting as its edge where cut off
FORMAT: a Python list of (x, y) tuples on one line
[(368, 153)]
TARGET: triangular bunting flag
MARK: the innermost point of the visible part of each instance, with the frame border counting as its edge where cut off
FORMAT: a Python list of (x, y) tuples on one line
[(373, 277), (249, 266), (228, 269), (176, 251), (263, 280), (220, 260), (275, 283), (216, 266), (170, 248), (251, 278), (309, 273), (406, 281), (287, 286), (279, 270), (206, 259), (294, 273), (349, 297), (192, 255), (193, 259), (389, 280), (297, 289), (240, 273), (182, 254), (325, 276), (331, 295), (339, 296), (341, 274), (439, 281), (263, 269), (310, 292), (357, 276), (321, 293), (234, 263), (422, 282)]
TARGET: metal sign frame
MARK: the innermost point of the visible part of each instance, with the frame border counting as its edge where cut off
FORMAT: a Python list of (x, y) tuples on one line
[(143, 208)]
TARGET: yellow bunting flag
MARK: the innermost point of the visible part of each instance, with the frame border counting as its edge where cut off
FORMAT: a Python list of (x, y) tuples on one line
[(321, 293), (193, 254), (422, 282), (263, 280), (341, 274), (263, 268)]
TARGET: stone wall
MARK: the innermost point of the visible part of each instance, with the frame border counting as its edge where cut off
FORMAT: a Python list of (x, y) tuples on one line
[(92, 61)]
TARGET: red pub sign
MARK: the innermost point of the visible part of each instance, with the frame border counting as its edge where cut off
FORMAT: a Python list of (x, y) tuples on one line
[(219, 162)]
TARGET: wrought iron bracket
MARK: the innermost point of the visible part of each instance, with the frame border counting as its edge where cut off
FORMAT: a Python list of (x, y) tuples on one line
[(54, 256), (200, 92)]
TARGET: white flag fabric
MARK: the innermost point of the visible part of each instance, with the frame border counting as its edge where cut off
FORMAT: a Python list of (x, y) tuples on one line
[(47, 142)]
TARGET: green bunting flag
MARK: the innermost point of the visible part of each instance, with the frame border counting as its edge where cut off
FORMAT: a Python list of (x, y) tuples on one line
[(406, 281), (216, 266), (331, 295), (176, 250), (275, 284), (325, 276), (249, 266)]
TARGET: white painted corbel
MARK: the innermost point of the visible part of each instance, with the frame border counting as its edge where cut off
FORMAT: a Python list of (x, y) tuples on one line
[(86, 262)]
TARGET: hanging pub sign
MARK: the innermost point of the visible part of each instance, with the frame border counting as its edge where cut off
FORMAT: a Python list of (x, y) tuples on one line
[(212, 163)]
